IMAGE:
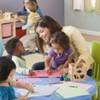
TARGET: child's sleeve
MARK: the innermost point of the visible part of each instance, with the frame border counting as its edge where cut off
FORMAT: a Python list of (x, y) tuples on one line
[(32, 19)]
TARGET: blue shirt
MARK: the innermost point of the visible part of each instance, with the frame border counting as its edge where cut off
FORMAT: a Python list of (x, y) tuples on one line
[(7, 93), (1, 47)]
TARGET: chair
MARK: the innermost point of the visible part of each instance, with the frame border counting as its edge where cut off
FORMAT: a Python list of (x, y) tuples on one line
[(96, 67)]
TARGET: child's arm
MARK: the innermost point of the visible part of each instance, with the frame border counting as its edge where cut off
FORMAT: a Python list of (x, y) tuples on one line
[(21, 18), (47, 62), (32, 19), (22, 98), (21, 84)]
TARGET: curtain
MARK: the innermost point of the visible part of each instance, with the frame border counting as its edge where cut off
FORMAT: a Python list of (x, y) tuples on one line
[(97, 7), (88, 5), (78, 5)]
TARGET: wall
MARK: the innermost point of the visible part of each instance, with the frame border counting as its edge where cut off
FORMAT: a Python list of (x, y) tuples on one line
[(11, 5), (54, 8), (82, 20)]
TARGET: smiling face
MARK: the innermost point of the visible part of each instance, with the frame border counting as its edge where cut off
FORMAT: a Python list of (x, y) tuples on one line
[(44, 33)]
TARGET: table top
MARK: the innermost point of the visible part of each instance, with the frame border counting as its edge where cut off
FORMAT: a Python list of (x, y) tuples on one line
[(55, 96)]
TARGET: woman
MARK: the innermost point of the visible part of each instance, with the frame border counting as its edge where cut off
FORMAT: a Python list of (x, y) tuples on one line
[(46, 26)]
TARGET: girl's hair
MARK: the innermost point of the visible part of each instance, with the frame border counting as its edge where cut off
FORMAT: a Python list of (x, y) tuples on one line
[(60, 38), (51, 24), (11, 45), (6, 66)]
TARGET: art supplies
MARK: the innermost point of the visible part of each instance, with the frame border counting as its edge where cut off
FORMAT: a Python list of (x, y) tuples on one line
[(40, 90), (43, 73)]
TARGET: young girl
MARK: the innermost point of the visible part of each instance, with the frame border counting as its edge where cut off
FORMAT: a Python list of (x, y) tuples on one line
[(28, 40), (7, 71), (15, 49), (60, 52)]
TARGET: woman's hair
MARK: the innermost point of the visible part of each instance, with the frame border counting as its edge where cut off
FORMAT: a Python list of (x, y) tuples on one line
[(6, 66), (11, 45), (60, 38), (51, 24)]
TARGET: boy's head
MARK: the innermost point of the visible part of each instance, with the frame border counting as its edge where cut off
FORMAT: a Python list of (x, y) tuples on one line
[(7, 69), (30, 5), (14, 47)]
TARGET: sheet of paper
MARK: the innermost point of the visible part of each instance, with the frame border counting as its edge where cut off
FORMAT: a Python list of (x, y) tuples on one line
[(41, 90), (70, 91), (81, 85)]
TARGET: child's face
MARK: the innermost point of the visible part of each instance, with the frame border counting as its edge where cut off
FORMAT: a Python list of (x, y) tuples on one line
[(11, 75), (57, 48), (20, 48), (30, 6)]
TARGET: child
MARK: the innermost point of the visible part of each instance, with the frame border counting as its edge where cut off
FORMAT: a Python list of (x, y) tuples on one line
[(25, 13), (15, 49), (1, 47), (29, 39), (7, 71), (60, 52)]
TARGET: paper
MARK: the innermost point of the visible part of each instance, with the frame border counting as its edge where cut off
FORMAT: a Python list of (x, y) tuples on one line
[(81, 85), (41, 90), (70, 91), (43, 73)]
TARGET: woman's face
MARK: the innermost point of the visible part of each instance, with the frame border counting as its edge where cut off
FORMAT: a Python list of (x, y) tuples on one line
[(44, 33)]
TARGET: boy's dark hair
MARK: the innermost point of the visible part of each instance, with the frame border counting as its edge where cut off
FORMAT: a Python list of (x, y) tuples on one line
[(6, 66), (11, 45), (60, 38)]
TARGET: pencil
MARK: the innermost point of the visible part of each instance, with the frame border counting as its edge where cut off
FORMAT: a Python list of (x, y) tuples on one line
[(28, 93)]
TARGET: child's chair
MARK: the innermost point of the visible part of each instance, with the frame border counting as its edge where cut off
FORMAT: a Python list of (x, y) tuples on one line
[(96, 67)]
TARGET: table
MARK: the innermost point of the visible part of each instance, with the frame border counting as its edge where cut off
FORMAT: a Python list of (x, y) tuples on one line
[(55, 96)]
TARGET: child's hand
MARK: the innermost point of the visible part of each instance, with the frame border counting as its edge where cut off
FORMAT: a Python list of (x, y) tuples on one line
[(22, 98), (64, 70), (60, 67), (47, 69), (29, 87)]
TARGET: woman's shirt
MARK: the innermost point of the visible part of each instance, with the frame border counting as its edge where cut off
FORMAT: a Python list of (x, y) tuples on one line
[(7, 93), (79, 44), (59, 59)]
